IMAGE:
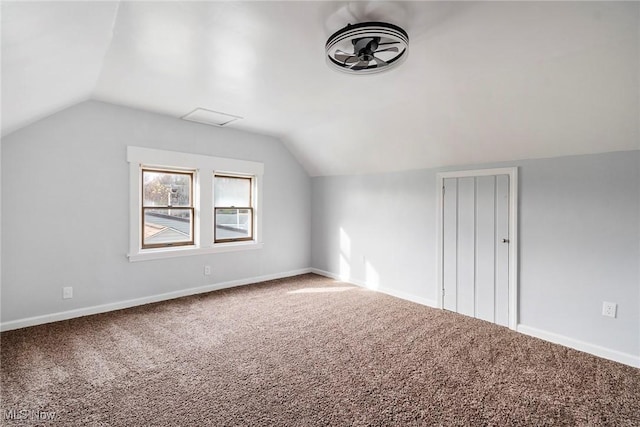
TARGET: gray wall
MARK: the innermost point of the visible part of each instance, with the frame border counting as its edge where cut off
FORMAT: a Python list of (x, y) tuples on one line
[(377, 226), (65, 223), (65, 207), (579, 240)]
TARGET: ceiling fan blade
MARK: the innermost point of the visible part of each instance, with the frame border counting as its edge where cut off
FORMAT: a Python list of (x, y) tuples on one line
[(360, 65), (344, 57), (380, 62), (389, 49), (340, 52)]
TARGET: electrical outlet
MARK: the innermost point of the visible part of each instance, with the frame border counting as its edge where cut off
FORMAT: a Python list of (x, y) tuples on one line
[(207, 270), (609, 309), (67, 292)]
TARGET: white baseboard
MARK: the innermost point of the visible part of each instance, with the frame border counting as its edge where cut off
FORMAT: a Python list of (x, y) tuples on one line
[(616, 356), (103, 308), (596, 350), (384, 290)]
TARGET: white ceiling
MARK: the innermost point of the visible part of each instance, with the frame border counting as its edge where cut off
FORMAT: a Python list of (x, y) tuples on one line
[(484, 82)]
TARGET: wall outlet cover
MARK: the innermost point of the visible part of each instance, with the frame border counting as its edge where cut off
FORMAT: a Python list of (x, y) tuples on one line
[(67, 292), (609, 309)]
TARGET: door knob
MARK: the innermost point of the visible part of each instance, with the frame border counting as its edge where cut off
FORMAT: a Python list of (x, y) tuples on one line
[(505, 240)]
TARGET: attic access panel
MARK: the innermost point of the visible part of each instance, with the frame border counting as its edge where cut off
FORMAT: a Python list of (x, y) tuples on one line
[(209, 117)]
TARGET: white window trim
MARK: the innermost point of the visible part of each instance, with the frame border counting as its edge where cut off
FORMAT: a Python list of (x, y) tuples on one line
[(205, 167)]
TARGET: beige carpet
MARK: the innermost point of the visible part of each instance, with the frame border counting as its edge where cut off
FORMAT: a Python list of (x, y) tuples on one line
[(304, 351)]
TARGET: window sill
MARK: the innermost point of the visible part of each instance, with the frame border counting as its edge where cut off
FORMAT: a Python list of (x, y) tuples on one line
[(151, 254)]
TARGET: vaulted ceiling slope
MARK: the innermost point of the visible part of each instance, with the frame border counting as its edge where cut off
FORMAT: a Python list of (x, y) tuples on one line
[(484, 81)]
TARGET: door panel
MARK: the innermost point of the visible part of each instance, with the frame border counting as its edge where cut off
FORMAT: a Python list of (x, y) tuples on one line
[(466, 246), (475, 259), (485, 248), (502, 250), (449, 228)]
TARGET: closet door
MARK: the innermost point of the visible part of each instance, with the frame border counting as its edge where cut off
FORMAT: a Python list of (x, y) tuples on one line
[(476, 247)]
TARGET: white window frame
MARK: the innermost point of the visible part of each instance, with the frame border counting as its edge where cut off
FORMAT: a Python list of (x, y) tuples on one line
[(252, 196), (205, 167), (192, 175)]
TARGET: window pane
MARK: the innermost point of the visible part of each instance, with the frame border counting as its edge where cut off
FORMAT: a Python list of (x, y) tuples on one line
[(165, 226), (233, 224), (166, 188), (229, 191)]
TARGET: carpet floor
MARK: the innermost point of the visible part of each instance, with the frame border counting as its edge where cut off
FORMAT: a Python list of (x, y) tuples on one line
[(302, 351)]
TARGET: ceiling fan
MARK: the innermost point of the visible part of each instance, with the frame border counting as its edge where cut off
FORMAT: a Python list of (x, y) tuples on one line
[(367, 47)]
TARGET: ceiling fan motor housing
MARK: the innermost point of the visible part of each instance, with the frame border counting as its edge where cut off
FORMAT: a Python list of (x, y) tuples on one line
[(367, 47)]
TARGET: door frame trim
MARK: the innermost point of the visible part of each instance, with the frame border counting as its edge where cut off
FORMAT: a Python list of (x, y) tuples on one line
[(513, 232)]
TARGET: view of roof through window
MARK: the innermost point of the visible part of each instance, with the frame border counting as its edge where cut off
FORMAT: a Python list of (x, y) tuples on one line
[(167, 207), (168, 211)]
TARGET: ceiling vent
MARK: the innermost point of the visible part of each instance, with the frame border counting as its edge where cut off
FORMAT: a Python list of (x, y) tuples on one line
[(208, 117), (367, 47)]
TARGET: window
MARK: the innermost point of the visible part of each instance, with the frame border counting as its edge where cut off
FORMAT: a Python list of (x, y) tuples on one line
[(167, 208), (183, 204), (233, 208)]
